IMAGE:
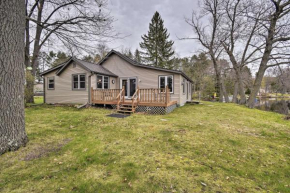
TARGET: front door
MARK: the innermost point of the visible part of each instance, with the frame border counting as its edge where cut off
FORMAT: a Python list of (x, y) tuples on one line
[(130, 86)]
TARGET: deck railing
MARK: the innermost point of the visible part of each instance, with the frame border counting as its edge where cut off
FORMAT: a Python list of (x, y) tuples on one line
[(105, 94), (148, 95), (154, 95)]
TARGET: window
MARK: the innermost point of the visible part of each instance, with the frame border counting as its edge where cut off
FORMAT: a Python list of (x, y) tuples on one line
[(79, 81), (166, 81), (102, 82), (50, 81), (106, 82)]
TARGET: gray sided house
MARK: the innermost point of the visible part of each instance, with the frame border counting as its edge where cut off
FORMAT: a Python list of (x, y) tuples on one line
[(118, 81)]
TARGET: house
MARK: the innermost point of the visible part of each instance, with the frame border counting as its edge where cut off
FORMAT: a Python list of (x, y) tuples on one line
[(117, 81), (38, 89)]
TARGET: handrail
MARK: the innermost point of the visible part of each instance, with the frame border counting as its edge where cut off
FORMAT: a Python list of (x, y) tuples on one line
[(120, 97), (134, 95)]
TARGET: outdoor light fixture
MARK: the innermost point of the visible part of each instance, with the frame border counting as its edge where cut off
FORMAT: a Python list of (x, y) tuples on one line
[(113, 81)]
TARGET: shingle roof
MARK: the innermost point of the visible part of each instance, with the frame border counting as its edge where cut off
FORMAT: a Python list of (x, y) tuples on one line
[(98, 68), (135, 63), (91, 67), (95, 67), (54, 68)]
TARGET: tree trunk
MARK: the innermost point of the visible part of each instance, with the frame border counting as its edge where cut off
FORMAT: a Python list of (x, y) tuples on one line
[(225, 93), (12, 124), (238, 72), (218, 77), (36, 49), (235, 95), (257, 86), (264, 61), (27, 40)]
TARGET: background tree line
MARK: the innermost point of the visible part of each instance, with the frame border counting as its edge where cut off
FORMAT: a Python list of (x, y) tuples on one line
[(249, 33)]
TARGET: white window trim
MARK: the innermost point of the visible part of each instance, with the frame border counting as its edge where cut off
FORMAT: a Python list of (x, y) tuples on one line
[(50, 78), (166, 77), (79, 82), (103, 82)]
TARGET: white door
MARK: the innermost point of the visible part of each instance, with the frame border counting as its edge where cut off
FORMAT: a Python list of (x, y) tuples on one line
[(130, 85)]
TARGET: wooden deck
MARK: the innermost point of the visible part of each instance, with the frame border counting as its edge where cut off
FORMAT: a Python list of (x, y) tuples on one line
[(142, 97)]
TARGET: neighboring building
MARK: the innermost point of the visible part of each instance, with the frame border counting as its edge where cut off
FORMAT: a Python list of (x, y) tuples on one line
[(118, 81), (38, 89)]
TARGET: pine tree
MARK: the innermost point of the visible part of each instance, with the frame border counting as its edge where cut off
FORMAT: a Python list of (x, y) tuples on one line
[(130, 55), (137, 56), (157, 49)]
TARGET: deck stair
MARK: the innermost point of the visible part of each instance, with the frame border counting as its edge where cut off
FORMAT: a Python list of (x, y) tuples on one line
[(126, 108)]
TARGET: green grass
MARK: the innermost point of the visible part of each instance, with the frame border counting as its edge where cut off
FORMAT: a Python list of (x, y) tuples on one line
[(197, 148), (38, 99)]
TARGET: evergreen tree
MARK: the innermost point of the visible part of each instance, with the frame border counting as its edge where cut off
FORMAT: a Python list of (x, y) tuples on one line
[(157, 49), (127, 52), (88, 58), (137, 56), (130, 55), (58, 57)]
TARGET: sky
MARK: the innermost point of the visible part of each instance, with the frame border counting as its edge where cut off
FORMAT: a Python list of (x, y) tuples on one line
[(133, 18)]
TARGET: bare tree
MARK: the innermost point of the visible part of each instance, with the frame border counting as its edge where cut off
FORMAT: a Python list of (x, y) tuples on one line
[(208, 36), (76, 24), (275, 37), (280, 80), (238, 34), (12, 124)]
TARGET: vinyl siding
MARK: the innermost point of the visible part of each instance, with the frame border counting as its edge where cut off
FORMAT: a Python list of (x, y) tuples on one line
[(63, 92), (146, 78), (111, 85), (182, 95)]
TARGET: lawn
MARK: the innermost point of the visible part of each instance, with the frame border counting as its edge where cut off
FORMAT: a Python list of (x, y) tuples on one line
[(211, 147)]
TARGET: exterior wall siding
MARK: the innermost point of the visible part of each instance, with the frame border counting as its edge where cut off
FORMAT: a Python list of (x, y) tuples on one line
[(111, 85), (146, 78), (63, 92), (185, 96)]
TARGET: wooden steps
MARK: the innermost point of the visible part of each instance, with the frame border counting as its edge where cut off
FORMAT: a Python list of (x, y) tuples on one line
[(126, 108)]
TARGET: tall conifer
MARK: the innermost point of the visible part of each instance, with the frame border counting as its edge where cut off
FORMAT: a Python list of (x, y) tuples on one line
[(156, 48)]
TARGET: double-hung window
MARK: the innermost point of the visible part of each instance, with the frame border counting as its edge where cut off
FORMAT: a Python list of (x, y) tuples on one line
[(102, 82), (79, 81), (50, 85), (166, 81)]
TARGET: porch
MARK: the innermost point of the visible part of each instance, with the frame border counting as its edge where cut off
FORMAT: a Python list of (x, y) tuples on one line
[(158, 99)]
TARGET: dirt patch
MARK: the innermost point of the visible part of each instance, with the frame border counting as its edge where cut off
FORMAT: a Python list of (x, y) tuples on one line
[(45, 150)]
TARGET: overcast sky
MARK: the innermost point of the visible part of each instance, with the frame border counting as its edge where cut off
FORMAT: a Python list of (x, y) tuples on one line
[(133, 18)]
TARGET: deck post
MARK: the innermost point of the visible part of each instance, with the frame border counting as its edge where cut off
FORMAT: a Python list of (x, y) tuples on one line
[(166, 94), (123, 93), (138, 95)]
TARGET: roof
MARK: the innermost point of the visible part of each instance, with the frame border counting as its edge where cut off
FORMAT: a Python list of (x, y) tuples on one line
[(52, 69), (135, 63), (91, 67)]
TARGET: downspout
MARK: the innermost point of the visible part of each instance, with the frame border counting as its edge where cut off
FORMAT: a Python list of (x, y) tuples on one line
[(44, 89), (89, 88)]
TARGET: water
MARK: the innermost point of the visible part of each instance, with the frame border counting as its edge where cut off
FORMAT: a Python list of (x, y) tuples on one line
[(275, 105)]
